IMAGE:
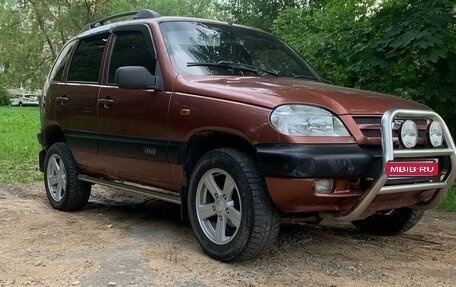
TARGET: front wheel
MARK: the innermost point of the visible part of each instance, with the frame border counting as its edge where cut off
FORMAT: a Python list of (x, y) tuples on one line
[(391, 222), (63, 188), (229, 207)]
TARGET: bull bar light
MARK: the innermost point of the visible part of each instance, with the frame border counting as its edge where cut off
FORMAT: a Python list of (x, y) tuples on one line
[(435, 134), (409, 134)]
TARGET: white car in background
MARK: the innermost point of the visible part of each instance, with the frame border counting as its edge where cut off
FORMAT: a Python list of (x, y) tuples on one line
[(24, 100)]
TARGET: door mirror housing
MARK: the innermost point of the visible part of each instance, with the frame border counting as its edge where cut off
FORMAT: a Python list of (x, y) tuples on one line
[(135, 78)]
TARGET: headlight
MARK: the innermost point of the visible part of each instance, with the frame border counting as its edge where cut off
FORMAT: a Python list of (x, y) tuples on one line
[(302, 120), (435, 134), (409, 134)]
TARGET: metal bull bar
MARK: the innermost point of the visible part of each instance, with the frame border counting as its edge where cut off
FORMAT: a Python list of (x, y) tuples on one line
[(390, 154)]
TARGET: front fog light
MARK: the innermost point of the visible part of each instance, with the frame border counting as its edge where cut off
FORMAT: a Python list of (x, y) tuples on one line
[(323, 186), (435, 134), (409, 134)]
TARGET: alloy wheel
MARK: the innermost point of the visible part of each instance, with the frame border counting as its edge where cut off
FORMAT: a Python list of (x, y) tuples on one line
[(56, 177), (218, 206)]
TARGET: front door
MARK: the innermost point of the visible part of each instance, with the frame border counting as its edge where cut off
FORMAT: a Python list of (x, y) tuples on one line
[(133, 123)]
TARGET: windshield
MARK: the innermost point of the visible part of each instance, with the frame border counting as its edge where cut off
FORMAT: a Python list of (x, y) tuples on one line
[(197, 48)]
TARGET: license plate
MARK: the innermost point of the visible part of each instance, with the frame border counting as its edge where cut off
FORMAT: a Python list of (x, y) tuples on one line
[(412, 168)]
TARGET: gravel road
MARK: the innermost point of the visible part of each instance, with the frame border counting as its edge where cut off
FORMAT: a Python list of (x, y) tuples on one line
[(122, 240)]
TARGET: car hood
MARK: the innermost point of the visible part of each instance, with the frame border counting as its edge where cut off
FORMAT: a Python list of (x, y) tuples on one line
[(271, 92)]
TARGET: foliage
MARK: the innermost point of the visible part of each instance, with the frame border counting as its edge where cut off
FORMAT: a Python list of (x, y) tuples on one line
[(18, 144), (402, 47), (256, 13), (4, 99)]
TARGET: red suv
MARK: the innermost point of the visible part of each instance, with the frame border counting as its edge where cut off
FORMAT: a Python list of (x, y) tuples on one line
[(236, 127)]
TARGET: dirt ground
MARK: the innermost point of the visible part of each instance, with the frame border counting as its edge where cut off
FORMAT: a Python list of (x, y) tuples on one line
[(123, 240)]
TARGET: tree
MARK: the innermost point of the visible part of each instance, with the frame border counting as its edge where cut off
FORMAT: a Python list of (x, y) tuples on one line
[(259, 13), (33, 31)]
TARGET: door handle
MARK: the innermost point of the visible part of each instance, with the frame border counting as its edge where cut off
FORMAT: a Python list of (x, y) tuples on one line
[(62, 100), (106, 103)]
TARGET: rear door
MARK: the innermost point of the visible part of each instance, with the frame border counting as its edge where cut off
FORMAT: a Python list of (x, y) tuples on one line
[(75, 100), (133, 125)]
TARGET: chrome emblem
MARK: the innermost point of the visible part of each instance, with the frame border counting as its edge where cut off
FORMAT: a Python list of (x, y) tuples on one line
[(150, 151), (397, 124)]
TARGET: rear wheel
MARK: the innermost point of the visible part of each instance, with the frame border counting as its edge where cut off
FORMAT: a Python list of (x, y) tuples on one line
[(392, 222), (229, 207), (63, 188)]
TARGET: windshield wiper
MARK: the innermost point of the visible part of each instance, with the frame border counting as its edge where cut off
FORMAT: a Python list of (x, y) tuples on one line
[(307, 77), (236, 66)]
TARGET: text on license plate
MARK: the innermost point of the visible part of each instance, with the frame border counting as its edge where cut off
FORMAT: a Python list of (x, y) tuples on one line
[(412, 168)]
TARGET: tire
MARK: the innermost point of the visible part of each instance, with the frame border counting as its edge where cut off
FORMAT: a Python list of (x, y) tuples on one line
[(248, 219), (63, 188), (395, 222), (20, 105)]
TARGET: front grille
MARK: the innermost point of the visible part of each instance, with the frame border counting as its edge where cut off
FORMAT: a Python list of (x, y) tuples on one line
[(370, 128)]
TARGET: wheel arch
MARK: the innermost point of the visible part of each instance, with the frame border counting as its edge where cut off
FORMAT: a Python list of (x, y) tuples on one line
[(202, 142), (51, 135)]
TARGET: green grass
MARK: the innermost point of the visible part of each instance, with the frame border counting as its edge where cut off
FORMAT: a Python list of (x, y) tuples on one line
[(19, 146), (449, 202), (19, 149)]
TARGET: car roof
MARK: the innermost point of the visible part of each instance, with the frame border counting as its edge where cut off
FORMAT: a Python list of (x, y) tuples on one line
[(107, 27)]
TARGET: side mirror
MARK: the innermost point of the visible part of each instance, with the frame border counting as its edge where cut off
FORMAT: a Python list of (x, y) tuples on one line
[(135, 78)]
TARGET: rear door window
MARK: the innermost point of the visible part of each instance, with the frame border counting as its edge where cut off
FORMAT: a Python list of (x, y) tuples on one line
[(86, 62)]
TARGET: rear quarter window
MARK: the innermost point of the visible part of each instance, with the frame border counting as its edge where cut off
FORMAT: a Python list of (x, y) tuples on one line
[(59, 65)]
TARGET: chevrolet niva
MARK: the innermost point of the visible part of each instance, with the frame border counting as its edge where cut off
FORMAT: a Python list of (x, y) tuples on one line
[(232, 124)]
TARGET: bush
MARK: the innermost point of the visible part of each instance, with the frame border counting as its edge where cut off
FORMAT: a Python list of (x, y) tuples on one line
[(4, 98)]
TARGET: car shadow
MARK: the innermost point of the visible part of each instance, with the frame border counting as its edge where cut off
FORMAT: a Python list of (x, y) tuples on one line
[(120, 207), (144, 216)]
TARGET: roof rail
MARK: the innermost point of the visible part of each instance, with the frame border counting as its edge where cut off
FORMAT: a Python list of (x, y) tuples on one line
[(140, 14)]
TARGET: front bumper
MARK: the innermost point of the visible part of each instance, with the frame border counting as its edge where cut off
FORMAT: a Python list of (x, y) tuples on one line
[(291, 169), (319, 161)]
